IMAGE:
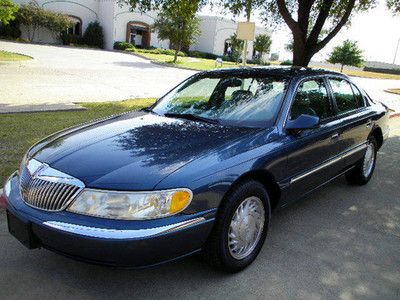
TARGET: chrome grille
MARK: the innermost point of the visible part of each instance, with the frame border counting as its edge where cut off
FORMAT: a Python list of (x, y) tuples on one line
[(48, 189)]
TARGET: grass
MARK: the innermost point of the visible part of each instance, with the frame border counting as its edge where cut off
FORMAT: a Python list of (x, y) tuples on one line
[(20, 131), (393, 91), (200, 64), (10, 56)]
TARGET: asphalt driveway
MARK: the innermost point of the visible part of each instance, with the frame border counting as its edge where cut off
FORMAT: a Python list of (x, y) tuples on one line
[(342, 242), (59, 76)]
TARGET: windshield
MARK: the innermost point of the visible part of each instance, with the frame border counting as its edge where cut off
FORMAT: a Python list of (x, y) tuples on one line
[(239, 101)]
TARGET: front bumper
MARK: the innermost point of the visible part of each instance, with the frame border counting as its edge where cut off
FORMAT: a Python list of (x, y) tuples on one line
[(110, 242)]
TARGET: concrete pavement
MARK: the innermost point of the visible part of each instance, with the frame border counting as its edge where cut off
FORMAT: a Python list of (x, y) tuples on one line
[(343, 242), (60, 76)]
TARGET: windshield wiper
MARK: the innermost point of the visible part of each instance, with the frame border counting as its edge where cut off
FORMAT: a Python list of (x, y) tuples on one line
[(191, 117)]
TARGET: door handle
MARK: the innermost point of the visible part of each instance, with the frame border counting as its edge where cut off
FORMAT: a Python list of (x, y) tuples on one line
[(335, 136)]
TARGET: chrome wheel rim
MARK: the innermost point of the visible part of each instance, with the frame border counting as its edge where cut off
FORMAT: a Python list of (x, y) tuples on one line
[(369, 159), (246, 227)]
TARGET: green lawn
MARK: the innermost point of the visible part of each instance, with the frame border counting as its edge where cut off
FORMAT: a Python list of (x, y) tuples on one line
[(200, 64), (9, 56), (19, 131)]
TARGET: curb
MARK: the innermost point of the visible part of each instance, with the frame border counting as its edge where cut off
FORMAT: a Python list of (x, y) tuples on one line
[(156, 62), (394, 115), (69, 109)]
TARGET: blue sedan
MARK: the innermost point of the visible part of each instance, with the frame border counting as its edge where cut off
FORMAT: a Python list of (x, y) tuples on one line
[(199, 171)]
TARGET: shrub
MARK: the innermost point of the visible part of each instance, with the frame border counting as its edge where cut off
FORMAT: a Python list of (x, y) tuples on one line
[(10, 30), (21, 40), (205, 55), (286, 63), (94, 35), (156, 51), (123, 45), (68, 39)]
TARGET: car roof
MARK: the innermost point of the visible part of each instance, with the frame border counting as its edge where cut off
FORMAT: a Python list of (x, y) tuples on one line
[(283, 71)]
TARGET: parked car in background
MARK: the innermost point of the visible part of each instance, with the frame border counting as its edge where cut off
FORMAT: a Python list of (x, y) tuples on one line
[(199, 171)]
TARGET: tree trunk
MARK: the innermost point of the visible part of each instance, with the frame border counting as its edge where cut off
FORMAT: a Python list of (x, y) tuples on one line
[(176, 55), (341, 69), (302, 54)]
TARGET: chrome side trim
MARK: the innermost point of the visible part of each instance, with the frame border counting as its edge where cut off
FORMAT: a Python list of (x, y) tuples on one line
[(330, 162), (355, 150), (118, 234), (327, 164)]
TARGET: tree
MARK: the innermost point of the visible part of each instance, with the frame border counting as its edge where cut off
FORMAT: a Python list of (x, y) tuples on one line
[(347, 54), (307, 18), (394, 6), (7, 11), (34, 17), (237, 47), (262, 44), (179, 24)]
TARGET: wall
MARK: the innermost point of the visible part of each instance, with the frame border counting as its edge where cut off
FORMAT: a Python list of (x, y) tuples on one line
[(86, 10), (215, 31), (123, 16), (205, 41), (106, 13)]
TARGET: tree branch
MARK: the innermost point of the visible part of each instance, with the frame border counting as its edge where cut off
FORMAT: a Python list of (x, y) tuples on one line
[(337, 28), (319, 23), (303, 17), (283, 10)]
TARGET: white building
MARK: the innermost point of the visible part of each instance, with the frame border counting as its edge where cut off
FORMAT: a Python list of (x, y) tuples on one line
[(121, 24)]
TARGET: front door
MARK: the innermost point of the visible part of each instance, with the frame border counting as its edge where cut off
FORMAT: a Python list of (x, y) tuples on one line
[(314, 156)]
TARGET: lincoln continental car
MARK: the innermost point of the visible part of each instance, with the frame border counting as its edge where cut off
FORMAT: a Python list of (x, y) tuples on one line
[(200, 171)]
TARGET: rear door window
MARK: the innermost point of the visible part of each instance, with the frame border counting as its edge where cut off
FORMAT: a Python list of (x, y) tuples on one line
[(345, 99)]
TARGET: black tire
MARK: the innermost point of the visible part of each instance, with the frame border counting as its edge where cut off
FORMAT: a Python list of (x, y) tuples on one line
[(356, 175), (216, 251)]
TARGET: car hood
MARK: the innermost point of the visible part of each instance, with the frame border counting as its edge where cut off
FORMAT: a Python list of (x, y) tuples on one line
[(134, 151)]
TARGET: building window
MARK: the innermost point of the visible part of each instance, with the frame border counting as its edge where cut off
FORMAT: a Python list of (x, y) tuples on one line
[(228, 48), (138, 34), (76, 28)]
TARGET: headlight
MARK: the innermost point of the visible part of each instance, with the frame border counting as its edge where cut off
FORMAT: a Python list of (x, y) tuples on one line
[(131, 205)]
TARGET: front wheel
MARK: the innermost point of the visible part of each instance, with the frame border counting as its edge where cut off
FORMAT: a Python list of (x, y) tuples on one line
[(240, 228), (363, 170)]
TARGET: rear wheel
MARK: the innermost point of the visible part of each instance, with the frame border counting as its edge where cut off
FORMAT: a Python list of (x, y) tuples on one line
[(363, 170), (240, 228)]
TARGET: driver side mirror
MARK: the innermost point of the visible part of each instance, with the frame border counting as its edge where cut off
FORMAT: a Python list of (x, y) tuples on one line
[(303, 122)]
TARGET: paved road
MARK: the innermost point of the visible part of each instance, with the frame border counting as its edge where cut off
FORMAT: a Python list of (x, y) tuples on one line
[(343, 242), (60, 75)]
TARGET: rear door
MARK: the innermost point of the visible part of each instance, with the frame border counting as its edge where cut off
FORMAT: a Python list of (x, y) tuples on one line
[(313, 154), (355, 116)]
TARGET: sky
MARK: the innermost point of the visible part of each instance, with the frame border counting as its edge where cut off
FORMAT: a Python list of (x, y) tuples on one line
[(376, 31)]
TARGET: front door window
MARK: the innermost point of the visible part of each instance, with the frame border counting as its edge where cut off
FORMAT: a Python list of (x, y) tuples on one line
[(311, 99)]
